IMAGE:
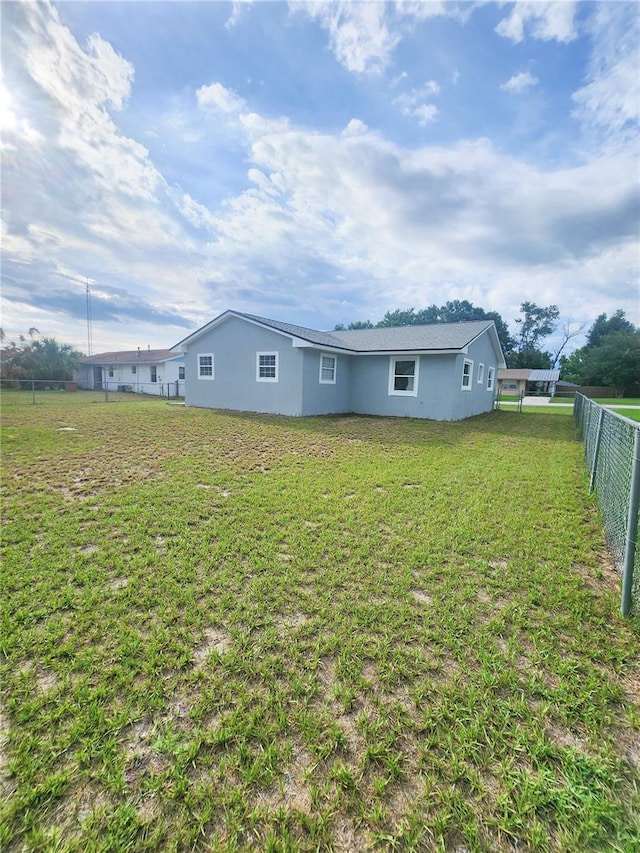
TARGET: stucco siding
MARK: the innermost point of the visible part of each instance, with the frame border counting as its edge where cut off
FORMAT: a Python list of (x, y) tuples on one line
[(234, 345), (370, 388), (325, 398), (478, 399)]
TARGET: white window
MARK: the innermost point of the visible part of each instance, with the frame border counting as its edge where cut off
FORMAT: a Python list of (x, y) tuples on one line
[(403, 376), (266, 367), (490, 375), (154, 373), (467, 375), (180, 372), (111, 372), (328, 369), (205, 365), (133, 369), (480, 373)]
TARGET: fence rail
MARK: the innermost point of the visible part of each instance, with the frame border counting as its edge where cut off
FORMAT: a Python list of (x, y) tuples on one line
[(612, 451), (43, 390)]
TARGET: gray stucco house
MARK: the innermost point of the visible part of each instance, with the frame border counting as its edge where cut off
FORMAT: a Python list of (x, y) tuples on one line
[(443, 372)]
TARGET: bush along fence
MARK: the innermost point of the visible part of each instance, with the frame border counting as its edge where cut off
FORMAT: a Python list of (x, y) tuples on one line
[(40, 390), (612, 450)]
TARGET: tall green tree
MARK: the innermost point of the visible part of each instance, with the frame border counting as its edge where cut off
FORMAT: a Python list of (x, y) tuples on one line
[(615, 361), (535, 324), (604, 326)]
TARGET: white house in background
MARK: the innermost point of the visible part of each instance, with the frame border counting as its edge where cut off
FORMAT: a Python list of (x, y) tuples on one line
[(150, 371), (445, 372)]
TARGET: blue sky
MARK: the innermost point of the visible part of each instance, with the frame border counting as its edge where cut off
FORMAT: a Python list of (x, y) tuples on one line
[(314, 162)]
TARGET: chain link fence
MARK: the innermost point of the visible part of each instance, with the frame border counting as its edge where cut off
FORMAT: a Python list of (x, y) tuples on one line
[(35, 391), (612, 451)]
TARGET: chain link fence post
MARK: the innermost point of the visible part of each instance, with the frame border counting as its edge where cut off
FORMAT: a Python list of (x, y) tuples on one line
[(632, 530)]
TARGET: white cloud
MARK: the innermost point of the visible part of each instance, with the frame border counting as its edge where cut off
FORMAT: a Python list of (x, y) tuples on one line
[(548, 21), (355, 128), (425, 113), (610, 100), (83, 84), (237, 10), (412, 103), (426, 224), (422, 10), (218, 97), (359, 33), (520, 82)]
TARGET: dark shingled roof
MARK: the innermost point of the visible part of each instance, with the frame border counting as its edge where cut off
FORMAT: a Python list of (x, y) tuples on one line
[(437, 336)]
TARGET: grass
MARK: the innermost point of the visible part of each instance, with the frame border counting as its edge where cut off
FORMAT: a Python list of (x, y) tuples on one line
[(233, 632), (618, 402)]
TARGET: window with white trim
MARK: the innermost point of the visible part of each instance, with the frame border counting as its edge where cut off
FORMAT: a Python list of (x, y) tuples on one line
[(467, 374), (403, 376), (111, 372), (205, 365), (327, 369), (266, 367), (181, 372), (134, 370), (490, 377), (480, 373)]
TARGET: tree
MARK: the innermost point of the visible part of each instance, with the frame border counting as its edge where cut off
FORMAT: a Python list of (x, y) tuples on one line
[(44, 358), (615, 361), (603, 327), (571, 366), (399, 317), (536, 324), (358, 324)]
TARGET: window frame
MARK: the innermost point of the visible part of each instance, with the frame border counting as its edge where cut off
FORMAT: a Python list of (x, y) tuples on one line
[(322, 381), (392, 390), (261, 354), (491, 373), (110, 371), (467, 386), (480, 379), (202, 375), (181, 371)]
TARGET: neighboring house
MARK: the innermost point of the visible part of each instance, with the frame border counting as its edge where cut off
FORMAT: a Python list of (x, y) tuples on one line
[(242, 362), (150, 371), (522, 381)]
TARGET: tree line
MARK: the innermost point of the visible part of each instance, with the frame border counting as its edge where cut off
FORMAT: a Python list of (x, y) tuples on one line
[(610, 356)]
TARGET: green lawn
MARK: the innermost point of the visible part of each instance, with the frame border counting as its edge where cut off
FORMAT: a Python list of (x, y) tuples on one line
[(604, 401), (227, 632)]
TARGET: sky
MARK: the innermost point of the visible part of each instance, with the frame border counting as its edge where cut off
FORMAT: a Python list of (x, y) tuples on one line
[(316, 163)]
